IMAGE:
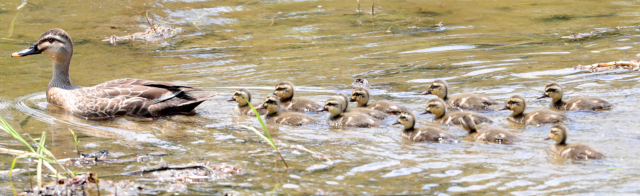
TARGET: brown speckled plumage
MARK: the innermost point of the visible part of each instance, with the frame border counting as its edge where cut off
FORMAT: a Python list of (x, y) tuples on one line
[(361, 96), (337, 117), (133, 97), (277, 115), (285, 90), (438, 107), (571, 151), (555, 91), (489, 135), (466, 101), (423, 134), (517, 104)]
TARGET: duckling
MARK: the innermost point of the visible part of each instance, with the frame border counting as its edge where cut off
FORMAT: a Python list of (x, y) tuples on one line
[(374, 113), (243, 107), (491, 135), (438, 107), (554, 91), (334, 106), (424, 134), (361, 95), (359, 82), (285, 91), (572, 151), (274, 114), (467, 101), (517, 104)]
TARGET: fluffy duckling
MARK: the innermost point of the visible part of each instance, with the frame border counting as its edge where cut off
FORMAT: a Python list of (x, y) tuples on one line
[(272, 105), (517, 104), (491, 135), (361, 95), (424, 134), (374, 113), (572, 151), (243, 107), (285, 91), (467, 101), (334, 106), (554, 91), (438, 107), (359, 82)]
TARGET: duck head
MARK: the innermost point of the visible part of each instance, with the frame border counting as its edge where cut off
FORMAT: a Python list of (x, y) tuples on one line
[(437, 107), (439, 88), (55, 42), (516, 104), (360, 82), (554, 91), (237, 97), (333, 105), (558, 133), (361, 96), (407, 119), (284, 90), (271, 104)]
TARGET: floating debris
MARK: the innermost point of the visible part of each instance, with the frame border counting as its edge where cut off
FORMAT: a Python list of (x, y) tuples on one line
[(188, 173), (594, 32), (154, 34), (631, 65), (101, 157)]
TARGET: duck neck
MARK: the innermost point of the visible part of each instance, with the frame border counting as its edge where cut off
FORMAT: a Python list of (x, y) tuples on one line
[(558, 103), (61, 77)]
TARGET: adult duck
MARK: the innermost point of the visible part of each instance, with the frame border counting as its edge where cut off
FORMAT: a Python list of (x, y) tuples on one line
[(132, 97)]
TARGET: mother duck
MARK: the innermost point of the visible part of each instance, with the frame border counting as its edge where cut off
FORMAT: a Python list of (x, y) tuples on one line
[(132, 97)]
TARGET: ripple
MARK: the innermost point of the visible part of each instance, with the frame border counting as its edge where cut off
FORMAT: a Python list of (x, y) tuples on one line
[(484, 71), (440, 49), (373, 166)]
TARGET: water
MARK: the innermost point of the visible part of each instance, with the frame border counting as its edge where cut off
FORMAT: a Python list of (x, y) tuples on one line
[(498, 48)]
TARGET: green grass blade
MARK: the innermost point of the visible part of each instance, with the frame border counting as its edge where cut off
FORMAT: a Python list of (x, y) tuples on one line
[(7, 128), (260, 134), (75, 137), (43, 138), (262, 123)]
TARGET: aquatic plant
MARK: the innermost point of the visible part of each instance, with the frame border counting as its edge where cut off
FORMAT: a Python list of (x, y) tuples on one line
[(267, 138), (43, 155)]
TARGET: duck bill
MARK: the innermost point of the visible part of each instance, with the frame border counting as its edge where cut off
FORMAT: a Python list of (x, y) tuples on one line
[(426, 92), (543, 96), (231, 99), (396, 123), (352, 100), (426, 112), (26, 52), (547, 138), (322, 110), (505, 108), (261, 107)]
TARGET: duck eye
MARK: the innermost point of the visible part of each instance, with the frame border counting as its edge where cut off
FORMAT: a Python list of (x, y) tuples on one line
[(551, 90), (270, 101), (281, 88), (431, 105), (237, 94), (51, 40), (331, 104)]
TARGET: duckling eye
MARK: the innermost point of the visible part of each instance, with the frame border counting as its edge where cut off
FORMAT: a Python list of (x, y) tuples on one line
[(511, 102), (403, 117), (358, 94), (432, 105), (434, 86), (551, 90), (331, 104), (270, 101), (237, 94), (281, 88)]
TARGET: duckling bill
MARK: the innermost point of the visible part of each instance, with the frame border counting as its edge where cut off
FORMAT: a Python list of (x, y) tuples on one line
[(361, 96), (438, 107), (555, 91)]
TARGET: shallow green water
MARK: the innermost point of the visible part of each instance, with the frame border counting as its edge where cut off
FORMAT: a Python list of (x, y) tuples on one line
[(322, 48)]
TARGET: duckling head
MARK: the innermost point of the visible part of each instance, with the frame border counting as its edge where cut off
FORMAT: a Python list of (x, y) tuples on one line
[(439, 88), (468, 124), (437, 107), (360, 95), (407, 119), (271, 104), (55, 42), (554, 91), (360, 82), (345, 101), (284, 90), (237, 97), (515, 104), (334, 106), (558, 133)]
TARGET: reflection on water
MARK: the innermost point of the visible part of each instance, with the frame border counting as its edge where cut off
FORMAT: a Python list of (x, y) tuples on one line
[(497, 48)]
